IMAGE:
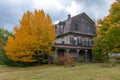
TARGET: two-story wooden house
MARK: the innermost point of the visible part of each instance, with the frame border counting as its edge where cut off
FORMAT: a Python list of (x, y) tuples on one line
[(75, 37)]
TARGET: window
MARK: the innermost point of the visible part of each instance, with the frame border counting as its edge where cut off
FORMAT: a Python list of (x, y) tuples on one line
[(88, 29), (91, 42), (83, 42), (78, 41), (76, 27), (73, 40), (82, 19), (61, 25), (62, 28), (62, 42), (86, 42)]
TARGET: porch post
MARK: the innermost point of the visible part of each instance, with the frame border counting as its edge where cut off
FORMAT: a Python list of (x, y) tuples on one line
[(78, 54), (86, 60), (67, 52), (56, 53)]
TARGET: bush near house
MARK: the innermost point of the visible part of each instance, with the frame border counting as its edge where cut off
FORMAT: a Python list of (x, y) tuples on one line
[(117, 59), (65, 60)]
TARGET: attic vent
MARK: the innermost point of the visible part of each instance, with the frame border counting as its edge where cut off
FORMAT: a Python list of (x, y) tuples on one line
[(82, 19)]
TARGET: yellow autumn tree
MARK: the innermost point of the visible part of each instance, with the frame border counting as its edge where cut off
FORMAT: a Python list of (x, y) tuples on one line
[(33, 39)]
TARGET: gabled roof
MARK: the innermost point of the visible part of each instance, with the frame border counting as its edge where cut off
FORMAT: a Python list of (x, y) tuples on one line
[(85, 16), (88, 18), (81, 14), (82, 19)]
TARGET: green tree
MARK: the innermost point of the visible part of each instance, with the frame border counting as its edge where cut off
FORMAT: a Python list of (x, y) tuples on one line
[(113, 33), (108, 39), (3, 39)]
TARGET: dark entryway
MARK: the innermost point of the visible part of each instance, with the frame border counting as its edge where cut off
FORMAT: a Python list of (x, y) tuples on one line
[(89, 55), (61, 52), (81, 56)]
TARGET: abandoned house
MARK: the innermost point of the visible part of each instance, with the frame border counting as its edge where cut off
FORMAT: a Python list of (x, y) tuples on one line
[(74, 37)]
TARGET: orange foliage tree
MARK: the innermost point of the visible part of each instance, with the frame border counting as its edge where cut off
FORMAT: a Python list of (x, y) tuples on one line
[(34, 37)]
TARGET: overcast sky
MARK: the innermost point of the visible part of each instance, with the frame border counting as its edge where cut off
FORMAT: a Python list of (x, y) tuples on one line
[(11, 11)]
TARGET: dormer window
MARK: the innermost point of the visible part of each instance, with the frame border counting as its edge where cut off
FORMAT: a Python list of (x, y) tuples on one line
[(62, 28), (61, 24), (76, 27), (88, 29)]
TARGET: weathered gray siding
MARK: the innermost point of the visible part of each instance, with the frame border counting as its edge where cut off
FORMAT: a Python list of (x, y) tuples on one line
[(81, 24)]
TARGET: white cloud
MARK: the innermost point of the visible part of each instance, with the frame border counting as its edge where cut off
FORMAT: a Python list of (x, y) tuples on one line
[(11, 11), (8, 27), (54, 8), (47, 4), (74, 8)]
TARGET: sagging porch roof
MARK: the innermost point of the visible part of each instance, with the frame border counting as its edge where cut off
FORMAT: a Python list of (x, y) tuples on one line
[(68, 46)]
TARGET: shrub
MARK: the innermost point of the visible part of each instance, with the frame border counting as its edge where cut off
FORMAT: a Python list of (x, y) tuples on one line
[(101, 57), (81, 59), (117, 59), (105, 58), (65, 60), (43, 59), (108, 65), (8, 62)]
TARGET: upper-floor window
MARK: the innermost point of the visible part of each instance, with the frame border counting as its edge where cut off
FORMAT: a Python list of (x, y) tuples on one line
[(62, 28), (76, 26), (83, 42), (91, 42), (79, 41), (87, 44), (63, 41), (88, 29), (73, 40)]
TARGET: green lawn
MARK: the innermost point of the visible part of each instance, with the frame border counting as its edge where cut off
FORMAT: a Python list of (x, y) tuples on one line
[(83, 71)]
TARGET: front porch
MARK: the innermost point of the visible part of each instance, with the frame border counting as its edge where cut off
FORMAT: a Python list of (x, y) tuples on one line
[(77, 52)]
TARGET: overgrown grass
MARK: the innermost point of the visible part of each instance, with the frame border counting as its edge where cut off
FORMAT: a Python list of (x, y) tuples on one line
[(83, 71)]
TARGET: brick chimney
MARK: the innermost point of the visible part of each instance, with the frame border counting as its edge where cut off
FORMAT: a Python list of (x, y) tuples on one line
[(69, 16)]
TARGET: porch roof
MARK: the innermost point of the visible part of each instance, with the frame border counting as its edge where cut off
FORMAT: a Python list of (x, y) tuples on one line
[(68, 46)]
